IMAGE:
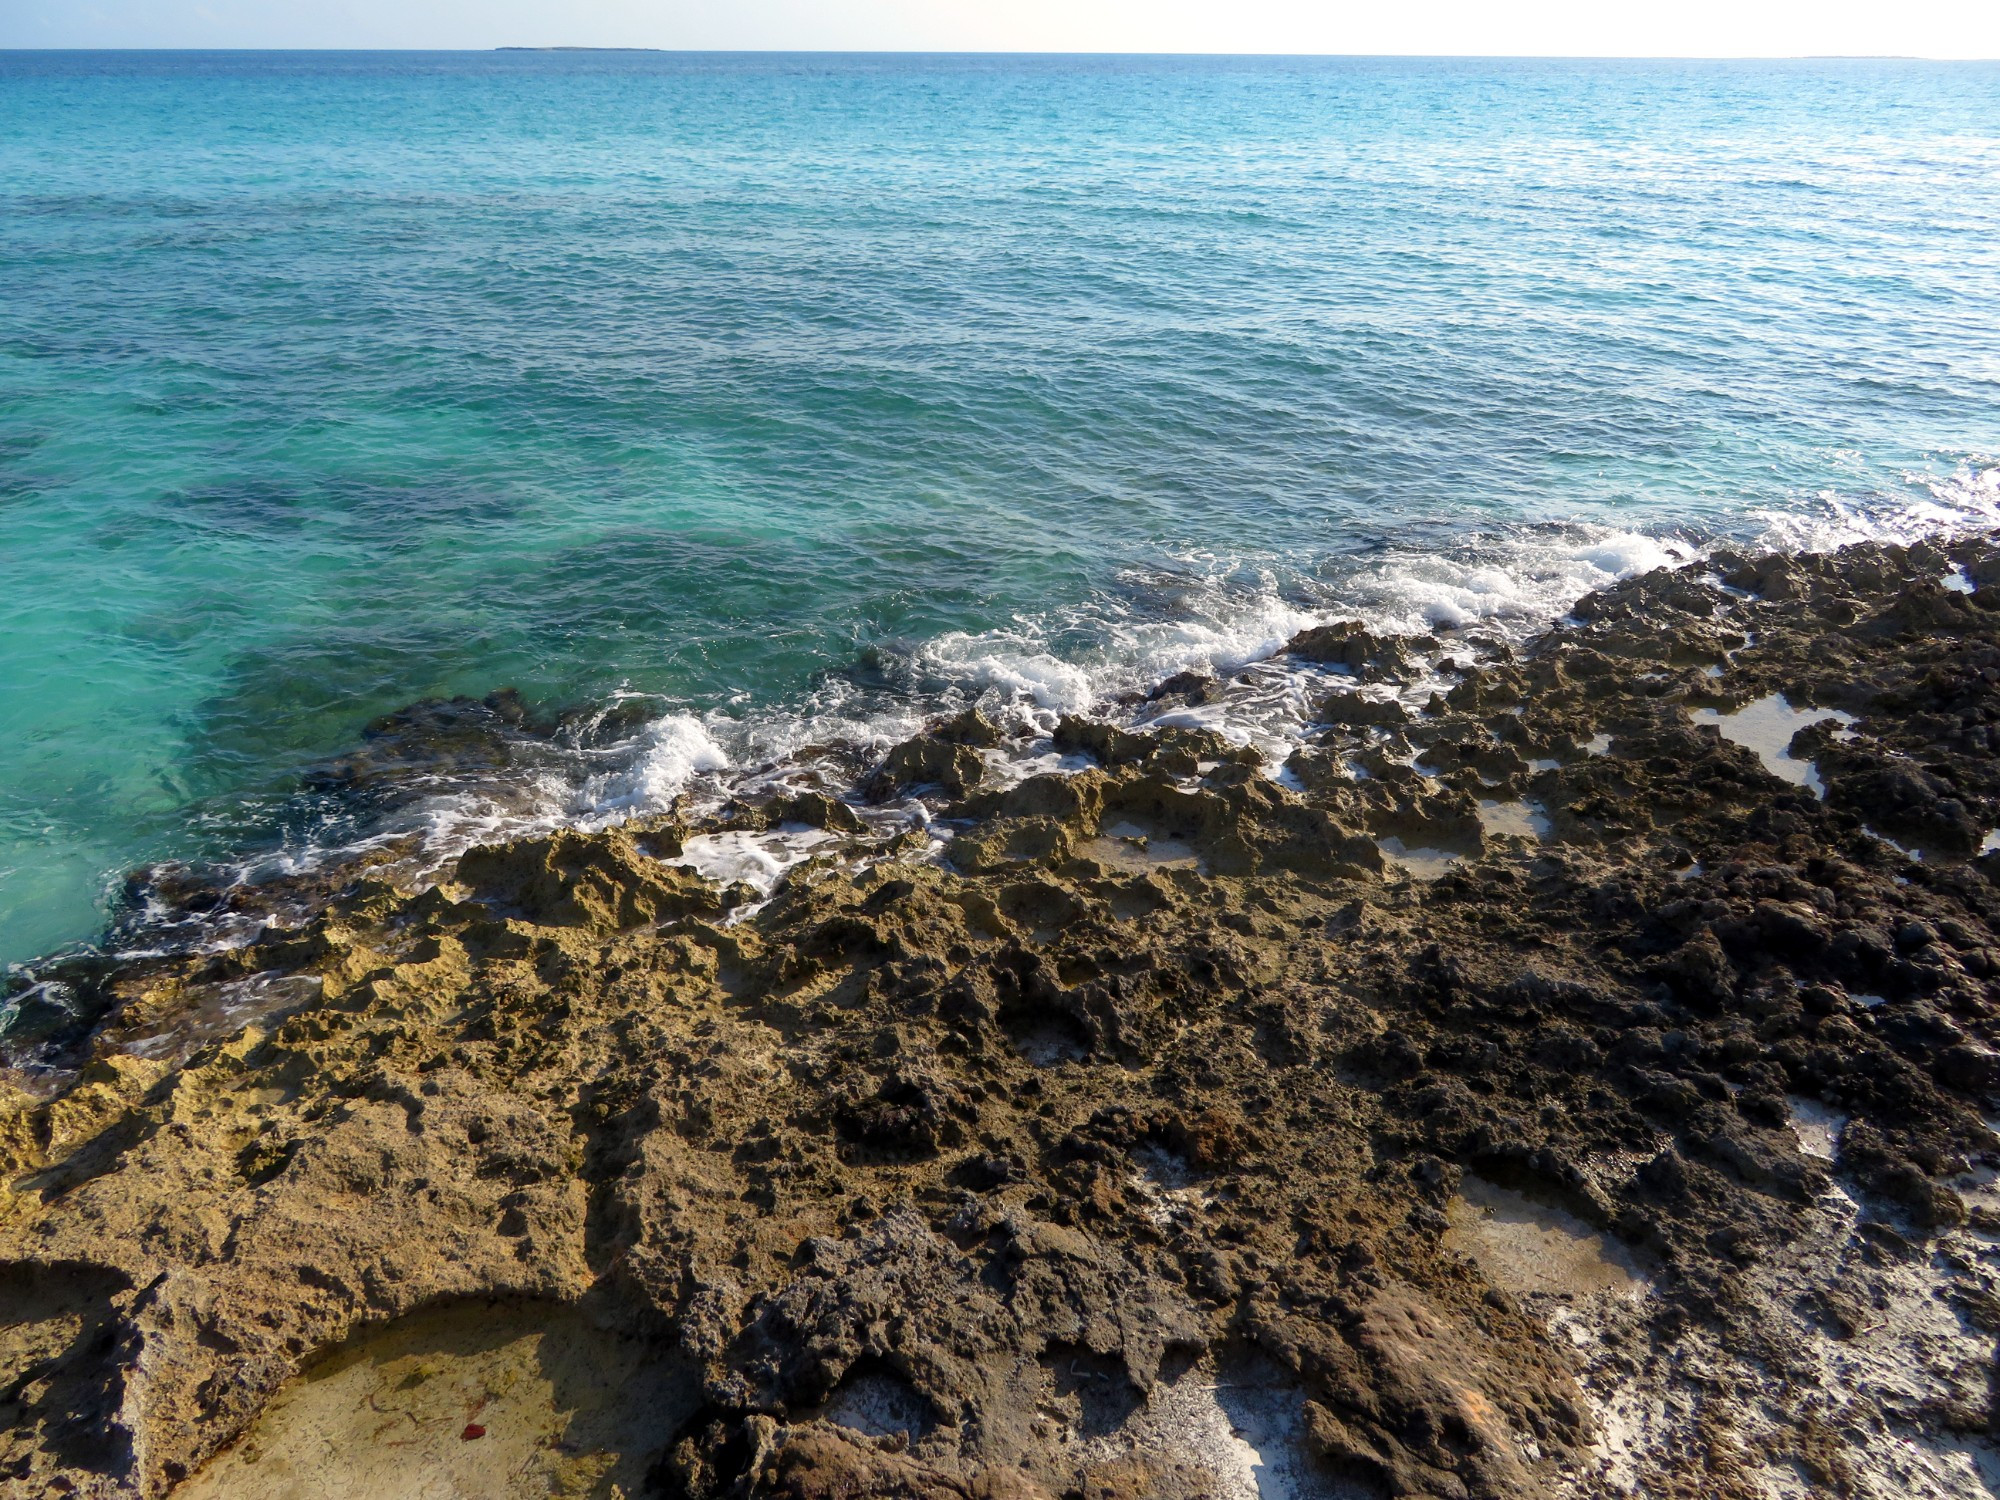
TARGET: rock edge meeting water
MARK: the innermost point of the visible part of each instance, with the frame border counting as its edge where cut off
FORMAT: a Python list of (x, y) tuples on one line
[(796, 397)]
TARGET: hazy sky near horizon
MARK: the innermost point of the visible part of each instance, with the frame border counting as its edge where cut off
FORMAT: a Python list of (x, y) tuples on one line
[(1688, 28)]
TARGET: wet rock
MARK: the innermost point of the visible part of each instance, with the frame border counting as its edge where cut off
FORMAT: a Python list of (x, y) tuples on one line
[(816, 810), (1191, 689), (1910, 803), (988, 1165), (441, 736), (1350, 644), (970, 727), (1356, 711), (569, 879), (952, 767)]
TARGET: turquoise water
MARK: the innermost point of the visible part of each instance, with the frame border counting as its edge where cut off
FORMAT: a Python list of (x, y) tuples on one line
[(804, 393)]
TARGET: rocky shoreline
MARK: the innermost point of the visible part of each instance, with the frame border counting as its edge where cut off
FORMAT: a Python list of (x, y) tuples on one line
[(1575, 1085)]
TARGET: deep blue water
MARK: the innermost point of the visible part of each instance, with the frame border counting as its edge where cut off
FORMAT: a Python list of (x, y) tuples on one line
[(802, 393)]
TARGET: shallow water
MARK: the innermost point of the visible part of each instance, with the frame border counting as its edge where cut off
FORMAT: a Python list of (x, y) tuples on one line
[(1816, 1125), (1768, 726), (1123, 844), (1531, 1248), (1418, 861), (803, 396), (471, 1402), (1514, 820)]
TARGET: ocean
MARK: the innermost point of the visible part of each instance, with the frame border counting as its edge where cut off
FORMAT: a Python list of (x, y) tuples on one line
[(730, 408)]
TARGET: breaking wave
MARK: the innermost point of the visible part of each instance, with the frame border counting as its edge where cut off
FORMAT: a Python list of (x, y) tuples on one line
[(1212, 617)]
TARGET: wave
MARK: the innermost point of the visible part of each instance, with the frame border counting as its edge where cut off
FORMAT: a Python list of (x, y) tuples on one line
[(673, 750), (1957, 504), (1195, 616)]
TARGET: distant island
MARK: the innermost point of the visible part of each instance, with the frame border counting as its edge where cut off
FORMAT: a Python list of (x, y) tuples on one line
[(577, 49)]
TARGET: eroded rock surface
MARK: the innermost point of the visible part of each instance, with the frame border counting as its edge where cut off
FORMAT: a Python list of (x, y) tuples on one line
[(1132, 1141)]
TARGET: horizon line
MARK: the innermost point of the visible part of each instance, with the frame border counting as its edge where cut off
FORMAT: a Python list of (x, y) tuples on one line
[(576, 47)]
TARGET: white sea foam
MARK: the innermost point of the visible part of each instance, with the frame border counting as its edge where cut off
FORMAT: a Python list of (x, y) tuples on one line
[(1232, 622), (1210, 616), (758, 860), (1224, 625), (1518, 583), (673, 750), (1012, 664), (1221, 630), (1956, 504)]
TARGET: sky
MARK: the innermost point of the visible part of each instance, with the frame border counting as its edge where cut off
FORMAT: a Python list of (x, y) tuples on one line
[(1601, 28)]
